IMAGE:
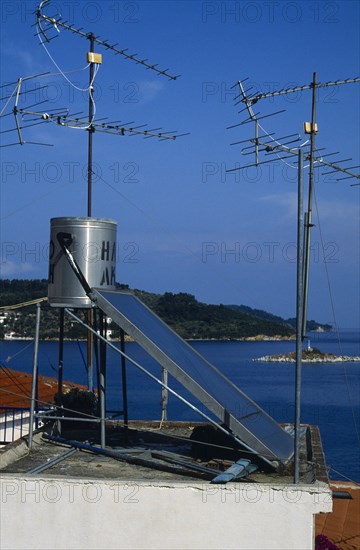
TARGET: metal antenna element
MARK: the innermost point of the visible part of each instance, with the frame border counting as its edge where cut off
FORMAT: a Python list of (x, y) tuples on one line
[(56, 23)]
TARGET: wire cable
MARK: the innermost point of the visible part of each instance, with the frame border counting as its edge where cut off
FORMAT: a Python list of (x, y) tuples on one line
[(284, 146), (11, 357), (335, 319), (24, 304), (36, 200), (8, 101), (61, 71), (91, 95), (332, 469), (8, 372), (89, 89), (49, 404)]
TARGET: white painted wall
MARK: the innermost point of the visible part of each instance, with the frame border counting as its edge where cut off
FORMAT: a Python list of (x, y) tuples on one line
[(59, 513)]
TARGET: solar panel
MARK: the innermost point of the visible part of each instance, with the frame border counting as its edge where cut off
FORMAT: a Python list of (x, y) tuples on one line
[(243, 417)]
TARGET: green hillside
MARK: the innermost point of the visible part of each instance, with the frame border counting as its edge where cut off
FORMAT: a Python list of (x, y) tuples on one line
[(188, 317)]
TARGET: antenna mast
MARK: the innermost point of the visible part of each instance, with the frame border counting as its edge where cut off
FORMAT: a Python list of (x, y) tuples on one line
[(91, 129)]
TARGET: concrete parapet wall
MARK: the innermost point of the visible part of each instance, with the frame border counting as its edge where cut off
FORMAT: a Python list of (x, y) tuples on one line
[(47, 512)]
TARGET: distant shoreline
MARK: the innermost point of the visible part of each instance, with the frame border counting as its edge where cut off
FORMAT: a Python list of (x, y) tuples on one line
[(323, 358), (257, 338)]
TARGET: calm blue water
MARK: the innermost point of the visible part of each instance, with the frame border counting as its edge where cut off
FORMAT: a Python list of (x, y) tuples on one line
[(330, 392)]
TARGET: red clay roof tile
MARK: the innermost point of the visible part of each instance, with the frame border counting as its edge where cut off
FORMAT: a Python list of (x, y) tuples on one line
[(342, 525), (15, 388)]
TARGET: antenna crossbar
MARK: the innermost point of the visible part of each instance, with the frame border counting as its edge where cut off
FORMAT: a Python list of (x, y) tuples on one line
[(62, 120), (274, 148), (255, 98), (58, 23)]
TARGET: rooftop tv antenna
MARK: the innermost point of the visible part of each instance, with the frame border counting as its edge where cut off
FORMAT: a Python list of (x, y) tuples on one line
[(271, 146), (47, 29), (283, 149)]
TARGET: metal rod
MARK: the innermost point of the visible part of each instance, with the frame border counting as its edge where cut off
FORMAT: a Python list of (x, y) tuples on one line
[(299, 312), (256, 142), (91, 37), (309, 208), (130, 458), (34, 375), (95, 334), (53, 462), (102, 380), (306, 248), (164, 393), (15, 111), (61, 357), (89, 351), (61, 362), (123, 378), (74, 418), (305, 87)]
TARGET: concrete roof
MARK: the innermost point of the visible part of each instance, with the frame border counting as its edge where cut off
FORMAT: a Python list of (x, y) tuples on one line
[(155, 454)]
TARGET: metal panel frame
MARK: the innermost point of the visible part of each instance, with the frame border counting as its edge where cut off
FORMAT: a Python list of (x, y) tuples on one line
[(212, 404)]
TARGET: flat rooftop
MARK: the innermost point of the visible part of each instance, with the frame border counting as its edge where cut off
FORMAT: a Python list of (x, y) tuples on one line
[(144, 451)]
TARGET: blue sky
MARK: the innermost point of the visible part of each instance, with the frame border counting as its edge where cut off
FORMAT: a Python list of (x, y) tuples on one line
[(184, 223)]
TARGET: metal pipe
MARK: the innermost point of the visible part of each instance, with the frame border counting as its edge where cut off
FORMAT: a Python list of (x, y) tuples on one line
[(102, 381), (123, 378), (164, 394), (309, 224), (61, 362), (90, 341), (89, 352), (56, 460), (256, 142), (34, 375), (124, 457), (68, 418), (91, 37), (61, 356), (94, 333), (306, 261), (299, 312)]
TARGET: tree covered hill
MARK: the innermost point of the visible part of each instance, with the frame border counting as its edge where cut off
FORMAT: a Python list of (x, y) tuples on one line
[(187, 316), (310, 325)]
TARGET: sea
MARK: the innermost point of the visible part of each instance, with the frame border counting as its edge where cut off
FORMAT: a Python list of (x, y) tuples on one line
[(330, 392)]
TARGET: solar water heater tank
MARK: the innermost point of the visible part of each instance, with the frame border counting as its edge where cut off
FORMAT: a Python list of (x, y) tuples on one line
[(92, 243)]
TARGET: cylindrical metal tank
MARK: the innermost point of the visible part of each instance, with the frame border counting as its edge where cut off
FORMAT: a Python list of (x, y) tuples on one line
[(93, 246)]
